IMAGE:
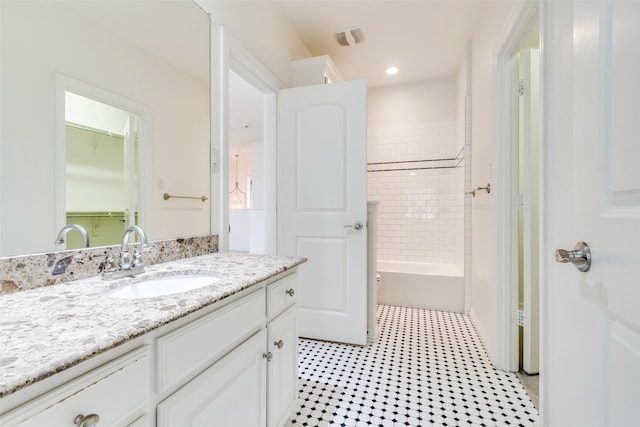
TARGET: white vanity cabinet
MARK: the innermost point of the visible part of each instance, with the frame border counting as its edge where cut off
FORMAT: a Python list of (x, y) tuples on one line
[(184, 352), (230, 364), (229, 393), (282, 368), (282, 350), (253, 385), (113, 394)]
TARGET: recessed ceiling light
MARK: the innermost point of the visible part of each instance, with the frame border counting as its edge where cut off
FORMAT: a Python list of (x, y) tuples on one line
[(391, 70)]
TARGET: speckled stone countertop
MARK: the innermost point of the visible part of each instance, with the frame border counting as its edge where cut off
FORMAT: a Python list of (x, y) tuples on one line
[(46, 330)]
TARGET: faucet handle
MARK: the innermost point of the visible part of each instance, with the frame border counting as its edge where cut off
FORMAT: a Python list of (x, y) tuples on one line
[(110, 263), (137, 258)]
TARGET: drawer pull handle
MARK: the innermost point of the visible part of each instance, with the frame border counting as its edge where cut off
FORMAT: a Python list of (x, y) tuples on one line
[(268, 355), (90, 420), (278, 344), (290, 292)]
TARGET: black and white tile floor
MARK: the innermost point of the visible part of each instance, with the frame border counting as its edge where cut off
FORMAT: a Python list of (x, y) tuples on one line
[(428, 368)]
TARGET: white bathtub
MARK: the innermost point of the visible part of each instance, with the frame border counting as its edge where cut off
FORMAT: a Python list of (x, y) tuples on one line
[(431, 286)]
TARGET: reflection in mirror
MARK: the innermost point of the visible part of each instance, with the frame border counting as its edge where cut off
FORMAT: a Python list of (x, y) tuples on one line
[(246, 166), (100, 170), (154, 54)]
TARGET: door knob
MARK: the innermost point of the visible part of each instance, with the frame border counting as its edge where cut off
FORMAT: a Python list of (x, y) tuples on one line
[(358, 225), (580, 256)]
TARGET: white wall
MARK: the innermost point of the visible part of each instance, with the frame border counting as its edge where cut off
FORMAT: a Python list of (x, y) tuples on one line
[(482, 232), (421, 102), (260, 28), (40, 40)]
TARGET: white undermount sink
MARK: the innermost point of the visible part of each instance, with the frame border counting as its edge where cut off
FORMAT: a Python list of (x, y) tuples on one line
[(165, 285)]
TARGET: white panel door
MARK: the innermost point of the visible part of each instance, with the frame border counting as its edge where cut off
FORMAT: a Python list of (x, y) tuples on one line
[(591, 326), (322, 203)]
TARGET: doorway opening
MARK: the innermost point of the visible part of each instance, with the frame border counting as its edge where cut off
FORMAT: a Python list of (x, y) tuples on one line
[(528, 236), (101, 172), (517, 182), (246, 167), (103, 159)]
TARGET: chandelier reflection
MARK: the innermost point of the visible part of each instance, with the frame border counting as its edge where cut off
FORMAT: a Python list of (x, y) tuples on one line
[(237, 197)]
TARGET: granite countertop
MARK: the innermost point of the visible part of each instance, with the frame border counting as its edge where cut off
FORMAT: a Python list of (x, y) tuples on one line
[(46, 330)]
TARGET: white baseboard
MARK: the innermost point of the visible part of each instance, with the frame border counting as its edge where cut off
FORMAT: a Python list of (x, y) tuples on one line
[(483, 335)]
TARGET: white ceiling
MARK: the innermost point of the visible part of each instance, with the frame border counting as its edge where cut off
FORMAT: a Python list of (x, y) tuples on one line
[(425, 38)]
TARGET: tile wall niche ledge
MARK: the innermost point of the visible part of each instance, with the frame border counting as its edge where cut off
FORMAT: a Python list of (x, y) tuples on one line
[(36, 270)]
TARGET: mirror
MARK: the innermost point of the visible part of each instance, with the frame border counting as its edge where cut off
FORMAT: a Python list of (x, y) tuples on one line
[(152, 56)]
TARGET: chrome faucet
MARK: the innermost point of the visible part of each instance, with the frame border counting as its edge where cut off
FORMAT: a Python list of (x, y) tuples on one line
[(80, 229), (129, 265)]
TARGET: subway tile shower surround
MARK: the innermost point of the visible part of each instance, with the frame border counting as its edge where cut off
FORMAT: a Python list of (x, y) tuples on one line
[(36, 270), (421, 213)]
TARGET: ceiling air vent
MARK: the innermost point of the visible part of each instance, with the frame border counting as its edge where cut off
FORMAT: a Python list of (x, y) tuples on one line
[(350, 36)]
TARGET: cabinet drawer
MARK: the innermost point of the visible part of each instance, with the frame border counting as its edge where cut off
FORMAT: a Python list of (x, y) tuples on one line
[(281, 294), (114, 392), (190, 349)]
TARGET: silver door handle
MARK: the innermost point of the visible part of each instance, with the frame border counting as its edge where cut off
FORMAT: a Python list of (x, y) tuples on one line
[(358, 225), (580, 256)]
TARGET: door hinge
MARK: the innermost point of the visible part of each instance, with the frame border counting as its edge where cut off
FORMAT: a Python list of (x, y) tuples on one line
[(520, 87), (519, 203), (520, 317)]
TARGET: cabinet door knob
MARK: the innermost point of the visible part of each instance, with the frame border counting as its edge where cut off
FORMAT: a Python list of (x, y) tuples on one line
[(268, 355), (278, 344), (90, 420), (290, 292)]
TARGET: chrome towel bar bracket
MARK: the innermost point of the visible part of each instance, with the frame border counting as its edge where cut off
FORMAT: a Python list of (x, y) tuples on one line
[(473, 192)]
